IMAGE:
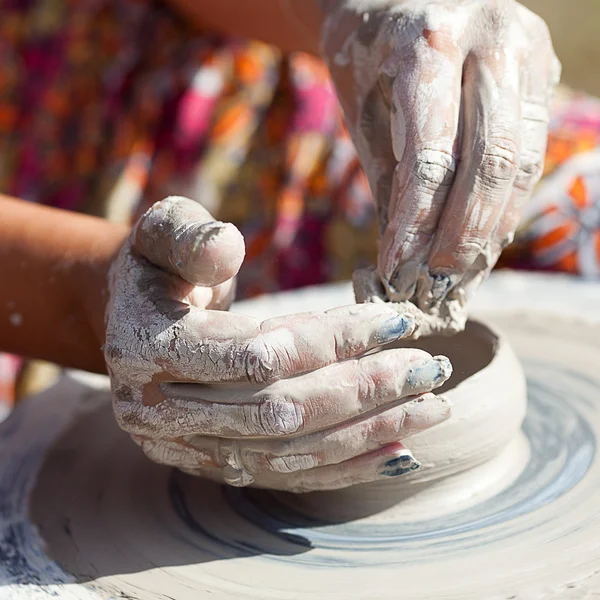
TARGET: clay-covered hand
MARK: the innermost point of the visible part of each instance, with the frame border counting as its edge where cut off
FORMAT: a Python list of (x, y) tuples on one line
[(295, 403), (447, 102)]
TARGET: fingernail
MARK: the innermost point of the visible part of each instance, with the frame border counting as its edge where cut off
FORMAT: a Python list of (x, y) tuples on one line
[(396, 328), (424, 412), (400, 465), (432, 372), (441, 285)]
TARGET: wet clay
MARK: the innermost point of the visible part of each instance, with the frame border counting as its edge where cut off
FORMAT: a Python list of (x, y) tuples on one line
[(472, 454), (447, 318)]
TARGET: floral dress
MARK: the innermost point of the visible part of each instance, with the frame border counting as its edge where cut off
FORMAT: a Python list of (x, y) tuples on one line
[(107, 106)]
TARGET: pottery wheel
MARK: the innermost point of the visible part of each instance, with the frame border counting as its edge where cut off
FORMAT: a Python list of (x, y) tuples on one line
[(110, 524)]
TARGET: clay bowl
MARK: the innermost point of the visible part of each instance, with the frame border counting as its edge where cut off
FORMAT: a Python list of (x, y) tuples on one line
[(473, 455)]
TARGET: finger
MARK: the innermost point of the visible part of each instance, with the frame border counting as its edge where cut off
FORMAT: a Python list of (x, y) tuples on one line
[(218, 297), (311, 402), (537, 86), (375, 143), (332, 446), (539, 75), (535, 133), (490, 154), (178, 453), (366, 101), (425, 117), (346, 441), (214, 347), (391, 461), (182, 237)]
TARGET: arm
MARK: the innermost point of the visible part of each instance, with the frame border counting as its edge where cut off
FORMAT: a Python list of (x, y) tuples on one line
[(291, 25), (53, 267)]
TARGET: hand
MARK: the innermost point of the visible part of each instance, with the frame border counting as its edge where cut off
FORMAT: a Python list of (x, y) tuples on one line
[(447, 102), (291, 403)]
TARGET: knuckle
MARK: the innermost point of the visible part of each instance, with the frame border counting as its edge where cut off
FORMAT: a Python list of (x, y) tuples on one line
[(277, 416), (435, 168), (266, 359), (529, 173), (259, 362), (499, 163), (292, 463), (468, 251)]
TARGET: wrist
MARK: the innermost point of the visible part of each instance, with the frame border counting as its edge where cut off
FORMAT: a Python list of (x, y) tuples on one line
[(90, 283)]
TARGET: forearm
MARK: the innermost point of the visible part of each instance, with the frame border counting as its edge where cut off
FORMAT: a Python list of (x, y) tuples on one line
[(291, 25), (53, 267)]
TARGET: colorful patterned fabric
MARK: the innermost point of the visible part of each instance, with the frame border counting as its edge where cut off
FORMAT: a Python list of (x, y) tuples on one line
[(560, 227), (107, 106)]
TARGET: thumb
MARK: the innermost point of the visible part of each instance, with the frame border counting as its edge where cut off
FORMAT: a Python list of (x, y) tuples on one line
[(182, 237)]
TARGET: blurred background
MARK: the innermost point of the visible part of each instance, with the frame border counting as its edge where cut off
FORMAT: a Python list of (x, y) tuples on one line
[(574, 26)]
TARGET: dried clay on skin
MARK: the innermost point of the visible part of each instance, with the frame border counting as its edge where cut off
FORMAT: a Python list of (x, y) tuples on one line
[(213, 392), (447, 103)]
